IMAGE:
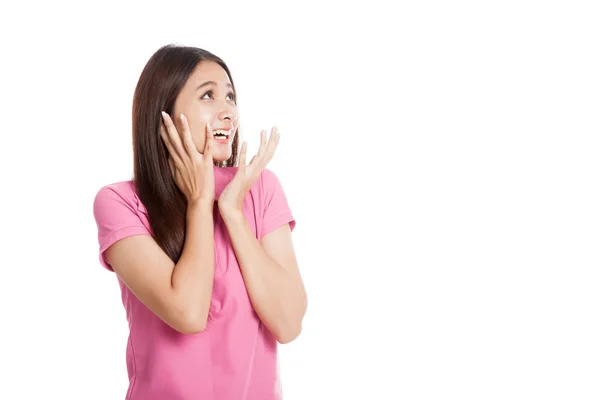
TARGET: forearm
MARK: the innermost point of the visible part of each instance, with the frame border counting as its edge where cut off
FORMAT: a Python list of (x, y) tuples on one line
[(276, 296), (192, 278)]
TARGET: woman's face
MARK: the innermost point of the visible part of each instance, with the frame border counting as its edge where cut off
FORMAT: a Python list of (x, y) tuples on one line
[(208, 97)]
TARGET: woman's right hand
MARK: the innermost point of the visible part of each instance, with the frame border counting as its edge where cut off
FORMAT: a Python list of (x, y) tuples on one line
[(193, 172)]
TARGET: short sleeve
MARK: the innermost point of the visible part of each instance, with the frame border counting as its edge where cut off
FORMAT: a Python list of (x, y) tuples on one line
[(116, 217), (276, 208)]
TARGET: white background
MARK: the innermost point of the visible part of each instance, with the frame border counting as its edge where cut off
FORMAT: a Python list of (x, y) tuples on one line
[(441, 160)]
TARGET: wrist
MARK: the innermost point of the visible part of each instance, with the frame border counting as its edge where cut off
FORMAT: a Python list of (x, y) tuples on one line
[(200, 207), (230, 214)]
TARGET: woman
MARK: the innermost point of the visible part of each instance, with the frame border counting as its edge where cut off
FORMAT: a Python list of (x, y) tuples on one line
[(202, 249)]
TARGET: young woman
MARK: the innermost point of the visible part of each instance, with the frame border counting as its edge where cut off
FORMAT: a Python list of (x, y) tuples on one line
[(202, 248)]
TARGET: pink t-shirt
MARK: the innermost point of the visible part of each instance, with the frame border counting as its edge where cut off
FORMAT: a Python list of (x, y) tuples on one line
[(235, 357)]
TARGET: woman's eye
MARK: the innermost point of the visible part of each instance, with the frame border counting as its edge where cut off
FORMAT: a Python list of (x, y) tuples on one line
[(210, 94)]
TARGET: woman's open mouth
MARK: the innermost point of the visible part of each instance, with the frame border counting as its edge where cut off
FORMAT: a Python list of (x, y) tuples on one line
[(221, 135)]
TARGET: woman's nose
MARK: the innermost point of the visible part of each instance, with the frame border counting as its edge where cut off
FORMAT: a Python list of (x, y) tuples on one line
[(228, 112)]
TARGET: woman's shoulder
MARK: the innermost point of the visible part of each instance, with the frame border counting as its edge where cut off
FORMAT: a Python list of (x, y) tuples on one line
[(120, 192), (123, 188)]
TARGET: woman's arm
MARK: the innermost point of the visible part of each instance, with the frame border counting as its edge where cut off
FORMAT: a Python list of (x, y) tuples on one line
[(179, 294), (271, 274)]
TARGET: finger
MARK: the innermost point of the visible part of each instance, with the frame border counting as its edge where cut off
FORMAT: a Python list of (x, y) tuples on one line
[(273, 141), (242, 162), (174, 170), (174, 135), (188, 141), (274, 138), (263, 141), (210, 141), (169, 143)]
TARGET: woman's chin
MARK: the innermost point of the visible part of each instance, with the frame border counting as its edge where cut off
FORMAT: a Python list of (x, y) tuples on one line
[(220, 156)]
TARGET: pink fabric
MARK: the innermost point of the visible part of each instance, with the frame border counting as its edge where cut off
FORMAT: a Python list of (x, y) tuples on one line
[(236, 356)]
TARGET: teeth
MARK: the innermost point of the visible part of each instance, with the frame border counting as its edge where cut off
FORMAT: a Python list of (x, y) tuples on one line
[(220, 132)]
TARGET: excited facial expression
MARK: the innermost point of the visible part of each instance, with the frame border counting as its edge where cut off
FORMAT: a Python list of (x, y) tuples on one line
[(208, 97)]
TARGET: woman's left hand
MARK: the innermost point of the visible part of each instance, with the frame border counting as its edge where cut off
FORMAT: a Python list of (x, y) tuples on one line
[(232, 197)]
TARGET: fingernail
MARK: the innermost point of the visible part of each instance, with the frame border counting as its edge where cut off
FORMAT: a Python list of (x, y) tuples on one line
[(164, 114), (182, 117)]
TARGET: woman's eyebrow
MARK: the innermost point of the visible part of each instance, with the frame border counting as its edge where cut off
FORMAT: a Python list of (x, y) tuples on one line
[(210, 83)]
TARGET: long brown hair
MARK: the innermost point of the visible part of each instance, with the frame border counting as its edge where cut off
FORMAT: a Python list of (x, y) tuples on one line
[(160, 82)]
